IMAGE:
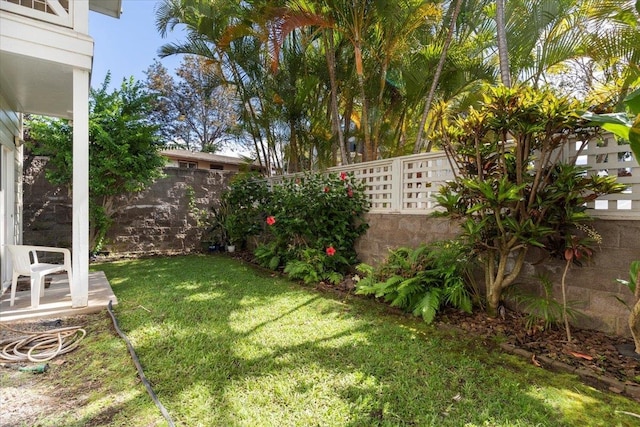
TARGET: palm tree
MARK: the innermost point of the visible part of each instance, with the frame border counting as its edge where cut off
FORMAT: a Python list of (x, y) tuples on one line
[(501, 33), (219, 31), (436, 77), (615, 44), (367, 67)]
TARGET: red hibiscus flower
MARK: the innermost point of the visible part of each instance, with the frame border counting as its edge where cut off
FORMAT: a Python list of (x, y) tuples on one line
[(271, 220), (349, 192), (331, 251), (343, 176), (326, 189)]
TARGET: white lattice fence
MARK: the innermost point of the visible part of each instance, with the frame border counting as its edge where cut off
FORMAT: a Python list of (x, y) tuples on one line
[(378, 180), (605, 157), (402, 184), (422, 178), (408, 184)]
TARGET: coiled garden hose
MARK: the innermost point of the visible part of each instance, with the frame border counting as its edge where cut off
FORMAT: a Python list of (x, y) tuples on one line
[(41, 346), (136, 361)]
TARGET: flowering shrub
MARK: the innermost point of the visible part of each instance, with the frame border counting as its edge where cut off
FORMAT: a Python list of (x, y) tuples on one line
[(320, 212), (246, 198), (312, 219)]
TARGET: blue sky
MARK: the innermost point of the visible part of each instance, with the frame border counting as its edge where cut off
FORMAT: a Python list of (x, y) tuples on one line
[(127, 46)]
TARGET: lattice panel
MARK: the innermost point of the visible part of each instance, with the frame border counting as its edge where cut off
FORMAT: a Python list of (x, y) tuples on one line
[(606, 157), (421, 181), (409, 184), (378, 184)]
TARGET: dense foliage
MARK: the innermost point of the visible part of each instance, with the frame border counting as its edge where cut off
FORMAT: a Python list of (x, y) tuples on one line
[(423, 280), (512, 190), (322, 81), (243, 207), (124, 148), (308, 224)]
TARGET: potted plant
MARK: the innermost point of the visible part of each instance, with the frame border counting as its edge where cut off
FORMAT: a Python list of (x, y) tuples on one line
[(215, 236), (233, 232)]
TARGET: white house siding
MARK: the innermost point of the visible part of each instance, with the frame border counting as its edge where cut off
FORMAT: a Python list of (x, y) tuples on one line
[(11, 184)]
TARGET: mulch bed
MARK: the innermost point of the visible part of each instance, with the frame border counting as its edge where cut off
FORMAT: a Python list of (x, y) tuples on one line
[(588, 349), (603, 361)]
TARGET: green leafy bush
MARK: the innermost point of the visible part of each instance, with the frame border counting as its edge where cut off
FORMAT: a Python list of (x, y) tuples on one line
[(124, 156), (317, 211), (307, 225), (422, 280), (245, 201), (315, 266), (512, 190)]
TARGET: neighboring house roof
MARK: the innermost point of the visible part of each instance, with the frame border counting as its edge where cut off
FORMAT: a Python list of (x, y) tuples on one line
[(106, 7), (205, 157)]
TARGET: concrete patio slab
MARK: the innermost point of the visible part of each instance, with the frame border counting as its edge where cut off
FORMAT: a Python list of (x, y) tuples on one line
[(56, 301)]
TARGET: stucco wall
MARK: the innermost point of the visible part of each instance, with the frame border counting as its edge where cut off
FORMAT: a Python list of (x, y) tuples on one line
[(592, 288)]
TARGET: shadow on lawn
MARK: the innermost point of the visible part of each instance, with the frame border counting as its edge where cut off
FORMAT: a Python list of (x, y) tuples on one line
[(241, 341)]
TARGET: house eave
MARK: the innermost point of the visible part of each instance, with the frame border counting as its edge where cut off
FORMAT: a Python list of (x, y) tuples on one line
[(37, 60), (111, 8)]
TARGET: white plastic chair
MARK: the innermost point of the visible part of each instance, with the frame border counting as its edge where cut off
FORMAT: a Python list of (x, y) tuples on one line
[(25, 263)]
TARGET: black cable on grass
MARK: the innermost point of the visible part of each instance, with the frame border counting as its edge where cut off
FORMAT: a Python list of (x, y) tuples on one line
[(136, 361)]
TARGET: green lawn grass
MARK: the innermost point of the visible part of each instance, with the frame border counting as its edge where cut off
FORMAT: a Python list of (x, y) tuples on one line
[(225, 344)]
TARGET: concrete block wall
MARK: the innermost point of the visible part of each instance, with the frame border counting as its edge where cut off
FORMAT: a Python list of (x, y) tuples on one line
[(47, 215), (163, 219), (592, 288), (160, 220), (389, 231)]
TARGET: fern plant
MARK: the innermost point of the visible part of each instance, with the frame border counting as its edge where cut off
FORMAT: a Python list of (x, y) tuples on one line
[(422, 280), (634, 316), (314, 266), (267, 255)]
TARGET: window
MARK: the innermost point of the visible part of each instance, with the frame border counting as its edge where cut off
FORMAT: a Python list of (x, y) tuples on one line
[(214, 166), (187, 165)]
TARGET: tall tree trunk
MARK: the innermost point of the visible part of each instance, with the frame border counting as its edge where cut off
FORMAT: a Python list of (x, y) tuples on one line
[(379, 119), (436, 78), (503, 53), (263, 159), (294, 155), (348, 110), (335, 115), (369, 151), (634, 316)]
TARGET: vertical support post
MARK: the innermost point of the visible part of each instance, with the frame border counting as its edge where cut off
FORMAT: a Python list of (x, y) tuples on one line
[(79, 11), (80, 209), (397, 181)]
